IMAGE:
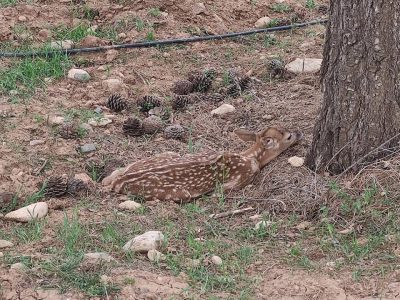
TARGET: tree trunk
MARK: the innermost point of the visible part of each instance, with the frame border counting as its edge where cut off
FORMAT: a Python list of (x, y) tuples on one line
[(360, 80)]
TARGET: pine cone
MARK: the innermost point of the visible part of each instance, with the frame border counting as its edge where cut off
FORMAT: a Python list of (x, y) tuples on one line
[(75, 186), (148, 102), (215, 97), (244, 82), (233, 90), (182, 87), (176, 132), (152, 124), (284, 22), (237, 78), (133, 127), (179, 102), (276, 67), (68, 131), (56, 186), (202, 81), (116, 103)]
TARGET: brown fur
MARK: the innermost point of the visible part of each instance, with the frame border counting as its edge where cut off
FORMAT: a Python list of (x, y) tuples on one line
[(169, 176)]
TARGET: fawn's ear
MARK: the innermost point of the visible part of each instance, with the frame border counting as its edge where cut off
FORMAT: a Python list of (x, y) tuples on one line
[(246, 135)]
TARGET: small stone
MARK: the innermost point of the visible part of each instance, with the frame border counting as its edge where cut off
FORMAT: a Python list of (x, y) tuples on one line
[(223, 110), (91, 41), (36, 142), (304, 225), (122, 35), (331, 264), (263, 22), (111, 55), (88, 148), (56, 120), (22, 18), (5, 244), (112, 85), (18, 267), (296, 161), (155, 256), (25, 214), (98, 110), (306, 65), (44, 34), (145, 242), (129, 205), (199, 8), (1, 254), (268, 117), (99, 122), (79, 75), (84, 178), (97, 257), (216, 260), (62, 45), (13, 92)]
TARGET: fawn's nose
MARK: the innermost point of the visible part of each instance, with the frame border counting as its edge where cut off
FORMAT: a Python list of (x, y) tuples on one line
[(299, 135)]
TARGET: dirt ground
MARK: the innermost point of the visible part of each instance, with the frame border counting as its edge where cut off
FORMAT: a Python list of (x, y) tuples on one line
[(278, 194)]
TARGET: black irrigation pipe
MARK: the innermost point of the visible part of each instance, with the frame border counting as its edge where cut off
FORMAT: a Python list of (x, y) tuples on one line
[(162, 42)]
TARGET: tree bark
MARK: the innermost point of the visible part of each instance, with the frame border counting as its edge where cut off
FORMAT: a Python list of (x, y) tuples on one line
[(360, 80)]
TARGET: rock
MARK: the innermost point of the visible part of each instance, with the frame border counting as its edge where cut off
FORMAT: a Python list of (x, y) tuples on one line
[(296, 161), (86, 126), (1, 254), (44, 34), (145, 242), (263, 22), (199, 8), (306, 65), (262, 224), (91, 41), (268, 117), (122, 36), (129, 205), (223, 110), (56, 120), (25, 214), (84, 178), (62, 45), (18, 267), (304, 225), (5, 244), (88, 148), (155, 256), (216, 260), (112, 85), (99, 122), (22, 19), (79, 75), (97, 257), (98, 110), (2, 167), (36, 142), (331, 264), (111, 55)]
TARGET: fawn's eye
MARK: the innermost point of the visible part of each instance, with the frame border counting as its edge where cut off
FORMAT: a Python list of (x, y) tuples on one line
[(289, 137)]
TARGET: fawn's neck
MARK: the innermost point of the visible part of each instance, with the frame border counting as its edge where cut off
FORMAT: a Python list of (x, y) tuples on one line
[(261, 155)]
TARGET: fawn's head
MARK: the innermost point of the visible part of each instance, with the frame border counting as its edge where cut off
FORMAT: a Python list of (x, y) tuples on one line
[(269, 143)]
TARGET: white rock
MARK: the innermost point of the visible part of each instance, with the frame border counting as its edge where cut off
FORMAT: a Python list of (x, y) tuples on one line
[(223, 110), (262, 224), (155, 256), (36, 142), (97, 257), (22, 18), (99, 122), (79, 75), (199, 8), (25, 214), (62, 45), (263, 22), (1, 254), (5, 244), (330, 264), (145, 242), (296, 161), (129, 205), (216, 260), (112, 84), (56, 120), (306, 65), (18, 267)]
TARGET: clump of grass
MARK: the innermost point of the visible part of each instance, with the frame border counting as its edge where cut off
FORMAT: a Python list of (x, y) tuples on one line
[(310, 4), (6, 3), (140, 25), (155, 12), (29, 73), (281, 7), (150, 36), (269, 41), (30, 232)]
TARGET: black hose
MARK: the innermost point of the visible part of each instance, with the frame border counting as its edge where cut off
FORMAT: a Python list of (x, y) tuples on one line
[(162, 42)]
